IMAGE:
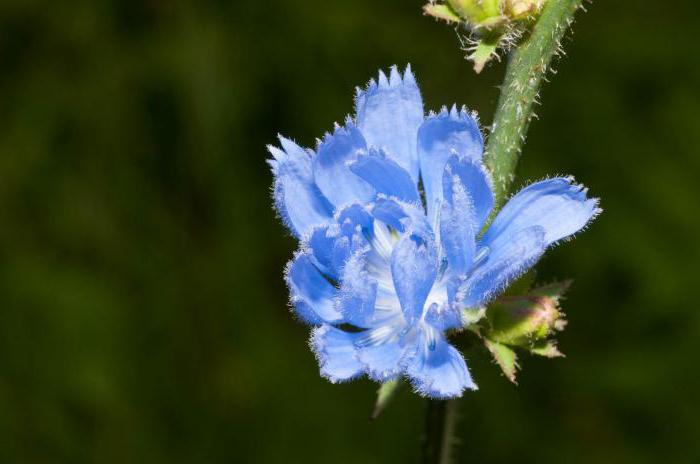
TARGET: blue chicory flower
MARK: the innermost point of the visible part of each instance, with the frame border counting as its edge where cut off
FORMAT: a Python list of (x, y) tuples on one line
[(389, 211)]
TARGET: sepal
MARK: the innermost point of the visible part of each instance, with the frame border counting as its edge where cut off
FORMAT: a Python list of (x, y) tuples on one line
[(505, 357)]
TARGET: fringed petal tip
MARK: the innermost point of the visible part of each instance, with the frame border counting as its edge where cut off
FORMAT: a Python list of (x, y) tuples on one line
[(347, 129), (455, 113), (441, 374), (297, 199), (395, 79), (382, 362)]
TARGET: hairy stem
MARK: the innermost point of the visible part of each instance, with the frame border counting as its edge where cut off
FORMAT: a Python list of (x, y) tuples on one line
[(527, 66), (439, 431)]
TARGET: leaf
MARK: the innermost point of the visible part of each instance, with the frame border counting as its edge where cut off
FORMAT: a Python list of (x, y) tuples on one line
[(504, 357), (384, 395)]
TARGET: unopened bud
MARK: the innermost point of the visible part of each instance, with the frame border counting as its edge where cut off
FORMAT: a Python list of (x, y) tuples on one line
[(522, 9), (522, 320), (479, 13)]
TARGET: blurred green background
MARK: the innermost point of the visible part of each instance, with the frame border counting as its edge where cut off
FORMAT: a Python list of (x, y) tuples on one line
[(143, 315)]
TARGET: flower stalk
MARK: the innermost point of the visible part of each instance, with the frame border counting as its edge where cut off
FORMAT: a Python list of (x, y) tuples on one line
[(528, 64), (439, 431)]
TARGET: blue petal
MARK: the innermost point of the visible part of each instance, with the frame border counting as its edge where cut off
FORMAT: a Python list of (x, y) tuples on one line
[(469, 176), (560, 208), (438, 370), (457, 228), (354, 216), (358, 292), (336, 354), (321, 243), (385, 176), (381, 360), (332, 245), (444, 316), (508, 258), (439, 137), (331, 172), (297, 199), (404, 217), (389, 114), (413, 269), (311, 294)]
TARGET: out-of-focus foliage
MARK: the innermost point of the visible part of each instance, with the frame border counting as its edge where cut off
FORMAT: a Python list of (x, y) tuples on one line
[(142, 309)]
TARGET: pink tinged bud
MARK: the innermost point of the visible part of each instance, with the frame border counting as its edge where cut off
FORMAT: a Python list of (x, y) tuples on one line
[(521, 320), (522, 9), (524, 321)]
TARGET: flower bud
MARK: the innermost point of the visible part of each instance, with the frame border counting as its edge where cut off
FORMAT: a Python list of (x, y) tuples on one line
[(521, 320), (525, 320), (522, 9), (479, 13)]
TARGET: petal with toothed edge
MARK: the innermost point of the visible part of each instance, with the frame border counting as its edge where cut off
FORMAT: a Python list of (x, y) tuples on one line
[(336, 353), (558, 206), (382, 360), (311, 294), (470, 176), (438, 370), (386, 176), (389, 113), (297, 199), (440, 136), (331, 173), (413, 269), (507, 259)]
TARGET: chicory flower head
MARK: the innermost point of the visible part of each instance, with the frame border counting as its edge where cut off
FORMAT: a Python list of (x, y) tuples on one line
[(389, 211)]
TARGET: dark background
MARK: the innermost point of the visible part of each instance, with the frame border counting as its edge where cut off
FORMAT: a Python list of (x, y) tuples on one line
[(143, 315)]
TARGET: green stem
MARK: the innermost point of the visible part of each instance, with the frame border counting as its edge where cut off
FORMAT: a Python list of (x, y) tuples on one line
[(527, 66), (439, 431)]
